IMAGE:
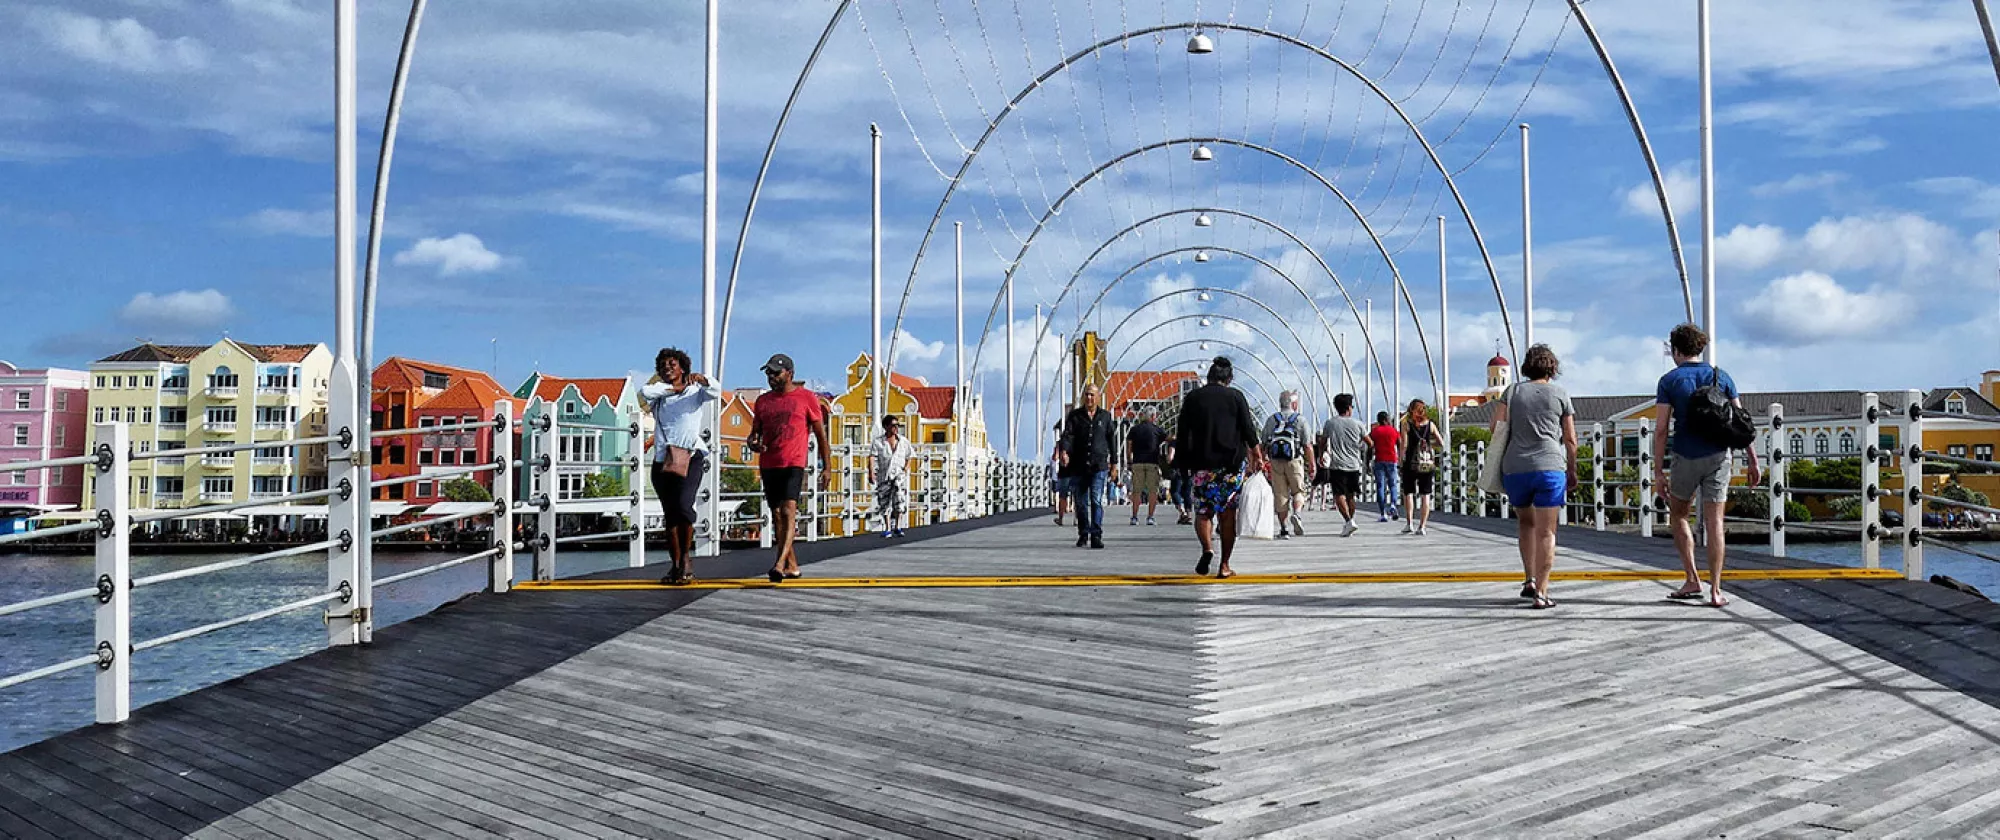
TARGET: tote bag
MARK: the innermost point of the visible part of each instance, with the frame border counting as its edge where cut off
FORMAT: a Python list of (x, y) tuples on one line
[(1489, 470), (1256, 509)]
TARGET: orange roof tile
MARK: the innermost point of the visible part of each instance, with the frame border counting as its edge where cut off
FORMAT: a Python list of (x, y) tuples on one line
[(281, 353), (906, 382), (550, 389), (1125, 386), (184, 353), (934, 402), (471, 393)]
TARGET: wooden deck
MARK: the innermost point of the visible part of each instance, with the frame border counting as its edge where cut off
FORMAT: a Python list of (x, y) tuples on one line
[(1806, 709)]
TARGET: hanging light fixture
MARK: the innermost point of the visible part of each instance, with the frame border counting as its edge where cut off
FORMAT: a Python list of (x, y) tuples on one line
[(1203, 297), (1204, 322), (1201, 256), (1201, 152), (1200, 44), (1202, 220), (1204, 345)]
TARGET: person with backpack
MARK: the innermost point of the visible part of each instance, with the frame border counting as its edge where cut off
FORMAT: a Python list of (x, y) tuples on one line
[(1421, 444), (1286, 447), (1388, 445), (1701, 405)]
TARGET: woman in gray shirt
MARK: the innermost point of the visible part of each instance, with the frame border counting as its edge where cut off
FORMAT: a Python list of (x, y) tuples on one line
[(1538, 464)]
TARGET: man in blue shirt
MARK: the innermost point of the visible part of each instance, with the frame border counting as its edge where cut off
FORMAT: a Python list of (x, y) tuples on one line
[(1701, 468)]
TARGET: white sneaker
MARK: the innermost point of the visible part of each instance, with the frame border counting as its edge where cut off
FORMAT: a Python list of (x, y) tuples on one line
[(1348, 529), (1423, 530), (1407, 529)]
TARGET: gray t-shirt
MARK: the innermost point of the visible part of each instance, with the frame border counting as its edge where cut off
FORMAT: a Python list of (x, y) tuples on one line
[(1347, 438), (1535, 411)]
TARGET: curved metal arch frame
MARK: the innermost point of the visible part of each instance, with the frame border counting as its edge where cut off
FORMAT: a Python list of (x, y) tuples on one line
[(1248, 376), (1056, 207), (1444, 172), (1289, 361), (1231, 345), (1326, 390)]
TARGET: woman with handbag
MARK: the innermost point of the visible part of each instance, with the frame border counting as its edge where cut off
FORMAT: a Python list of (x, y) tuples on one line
[(1421, 444), (677, 397), (1535, 423)]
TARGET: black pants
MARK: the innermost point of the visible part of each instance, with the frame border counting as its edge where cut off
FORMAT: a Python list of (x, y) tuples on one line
[(677, 493)]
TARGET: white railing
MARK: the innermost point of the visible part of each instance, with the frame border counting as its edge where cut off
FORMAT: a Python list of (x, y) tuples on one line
[(222, 391), (174, 428), (218, 425), (218, 461), (272, 426)]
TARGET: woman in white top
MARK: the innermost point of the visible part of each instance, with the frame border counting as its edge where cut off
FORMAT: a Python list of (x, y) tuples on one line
[(677, 396), (889, 470)]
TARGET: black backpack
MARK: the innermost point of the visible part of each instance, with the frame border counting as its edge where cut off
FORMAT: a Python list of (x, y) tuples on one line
[(1713, 417)]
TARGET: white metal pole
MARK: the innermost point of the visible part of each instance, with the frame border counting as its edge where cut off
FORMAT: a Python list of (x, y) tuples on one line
[(1871, 481), (877, 379), (1368, 335), (1013, 452), (1396, 342), (1707, 180), (708, 530), (114, 573), (1774, 467), (1444, 342), (1035, 375), (1912, 445), (959, 392), (1527, 251), (636, 452), (343, 572), (500, 572)]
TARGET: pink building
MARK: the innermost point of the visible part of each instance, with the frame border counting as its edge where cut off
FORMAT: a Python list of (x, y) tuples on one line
[(42, 416)]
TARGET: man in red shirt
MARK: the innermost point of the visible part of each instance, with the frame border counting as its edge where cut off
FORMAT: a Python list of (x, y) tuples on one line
[(778, 425), (1388, 445)]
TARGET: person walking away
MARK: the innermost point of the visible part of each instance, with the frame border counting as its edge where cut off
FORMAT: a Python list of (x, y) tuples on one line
[(1539, 463), (1087, 432), (1422, 444), (1142, 451), (1388, 446), (1058, 476), (1347, 449), (1179, 489), (1288, 452), (1320, 496), (1691, 400), (779, 423), (677, 397), (889, 471), (1216, 434)]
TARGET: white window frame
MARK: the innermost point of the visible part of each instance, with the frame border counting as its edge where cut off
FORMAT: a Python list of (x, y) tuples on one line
[(20, 476), (62, 437), (1982, 452), (20, 434), (146, 414), (24, 400), (1954, 405), (62, 400), (218, 484), (1822, 444), (425, 488), (97, 415)]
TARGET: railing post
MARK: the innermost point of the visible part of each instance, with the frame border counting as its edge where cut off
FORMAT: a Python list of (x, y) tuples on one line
[(1479, 465), (114, 573), (546, 470), (1912, 450), (500, 569), (640, 460), (1871, 481), (1645, 481), (345, 459), (1775, 464), (1597, 475)]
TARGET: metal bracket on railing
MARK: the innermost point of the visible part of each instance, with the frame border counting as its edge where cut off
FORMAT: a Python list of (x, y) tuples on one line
[(635, 428), (346, 436), (104, 526), (1871, 493), (106, 587), (542, 502), (1777, 523), (705, 436), (1873, 415), (499, 467), (1874, 532), (1777, 422), (1916, 493), (346, 592), (545, 422), (104, 457), (544, 464), (1778, 488), (346, 489), (1874, 453), (637, 498), (541, 542), (1916, 411), (1917, 453), (1915, 534), (701, 495), (1645, 431), (500, 423), (346, 540), (632, 462), (106, 654), (499, 508), (1777, 456)]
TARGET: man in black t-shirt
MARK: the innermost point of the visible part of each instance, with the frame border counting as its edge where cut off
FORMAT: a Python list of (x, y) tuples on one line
[(1087, 434), (1142, 451), (1217, 433)]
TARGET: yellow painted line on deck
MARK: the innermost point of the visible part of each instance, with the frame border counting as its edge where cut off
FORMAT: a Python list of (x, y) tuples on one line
[(977, 581)]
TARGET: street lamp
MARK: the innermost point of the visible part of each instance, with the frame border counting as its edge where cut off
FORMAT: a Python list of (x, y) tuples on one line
[(1201, 152), (1201, 256), (1203, 297), (1204, 322), (1202, 220), (1200, 44)]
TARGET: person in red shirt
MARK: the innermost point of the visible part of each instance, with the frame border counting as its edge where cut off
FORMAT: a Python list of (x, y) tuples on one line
[(1388, 445), (779, 423)]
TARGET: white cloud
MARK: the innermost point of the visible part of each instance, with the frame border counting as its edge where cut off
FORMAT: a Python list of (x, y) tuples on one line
[(913, 352), (281, 221), (178, 313), (125, 44), (1750, 247), (460, 254), (1802, 182), (1810, 307), (1683, 189)]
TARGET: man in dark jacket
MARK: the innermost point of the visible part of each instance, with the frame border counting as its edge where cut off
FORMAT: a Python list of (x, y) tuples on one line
[(1087, 435), (1217, 433)]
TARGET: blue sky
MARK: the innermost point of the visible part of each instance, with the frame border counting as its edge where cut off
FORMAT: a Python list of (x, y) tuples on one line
[(165, 173)]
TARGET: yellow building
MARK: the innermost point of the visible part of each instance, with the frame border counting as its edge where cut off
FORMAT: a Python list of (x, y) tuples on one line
[(1087, 354), (927, 412), (178, 396)]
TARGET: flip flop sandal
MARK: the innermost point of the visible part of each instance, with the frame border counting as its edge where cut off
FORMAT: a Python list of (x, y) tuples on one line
[(1684, 596), (1528, 591), (1542, 604), (775, 576), (1225, 573), (1201, 568)]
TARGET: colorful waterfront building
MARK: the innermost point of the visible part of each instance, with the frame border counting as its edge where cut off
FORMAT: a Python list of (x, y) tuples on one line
[(230, 392), (419, 395), (927, 412), (596, 402), (42, 414)]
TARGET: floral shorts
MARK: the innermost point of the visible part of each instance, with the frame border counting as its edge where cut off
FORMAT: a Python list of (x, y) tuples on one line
[(1216, 491)]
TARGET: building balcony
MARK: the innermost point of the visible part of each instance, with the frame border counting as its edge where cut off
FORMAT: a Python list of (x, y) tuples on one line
[(268, 388), (173, 390), (174, 428), (172, 502), (176, 461), (218, 425), (224, 497), (265, 461), (265, 495), (221, 391), (221, 462), (272, 426)]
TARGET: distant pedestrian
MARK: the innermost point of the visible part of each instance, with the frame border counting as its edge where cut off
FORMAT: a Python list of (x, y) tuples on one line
[(1142, 451), (1538, 464), (1289, 452), (1058, 476), (1347, 449), (779, 423), (1701, 464), (1179, 489), (676, 395), (1388, 446), (1320, 495), (1217, 433), (889, 471), (1422, 445), (1087, 433)]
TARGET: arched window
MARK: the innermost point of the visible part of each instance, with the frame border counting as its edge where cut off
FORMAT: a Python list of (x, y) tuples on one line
[(1846, 442), (1798, 444), (1821, 444)]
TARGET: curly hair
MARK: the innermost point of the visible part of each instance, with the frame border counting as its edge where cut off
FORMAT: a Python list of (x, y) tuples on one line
[(1688, 340), (1540, 363), (676, 354)]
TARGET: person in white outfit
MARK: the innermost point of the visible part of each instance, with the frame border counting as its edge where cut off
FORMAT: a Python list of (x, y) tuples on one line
[(889, 470)]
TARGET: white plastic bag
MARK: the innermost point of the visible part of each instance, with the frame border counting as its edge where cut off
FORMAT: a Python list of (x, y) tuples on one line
[(1489, 469), (1256, 509)]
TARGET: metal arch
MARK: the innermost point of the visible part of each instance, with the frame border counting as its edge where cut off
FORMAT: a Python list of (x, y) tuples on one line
[(1646, 150), (1223, 316), (1326, 391), (1367, 338), (1198, 361), (1451, 183), (1229, 344), (1079, 184)]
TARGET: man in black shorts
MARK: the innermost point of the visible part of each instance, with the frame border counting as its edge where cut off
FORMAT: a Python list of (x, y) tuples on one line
[(778, 425), (1347, 449)]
